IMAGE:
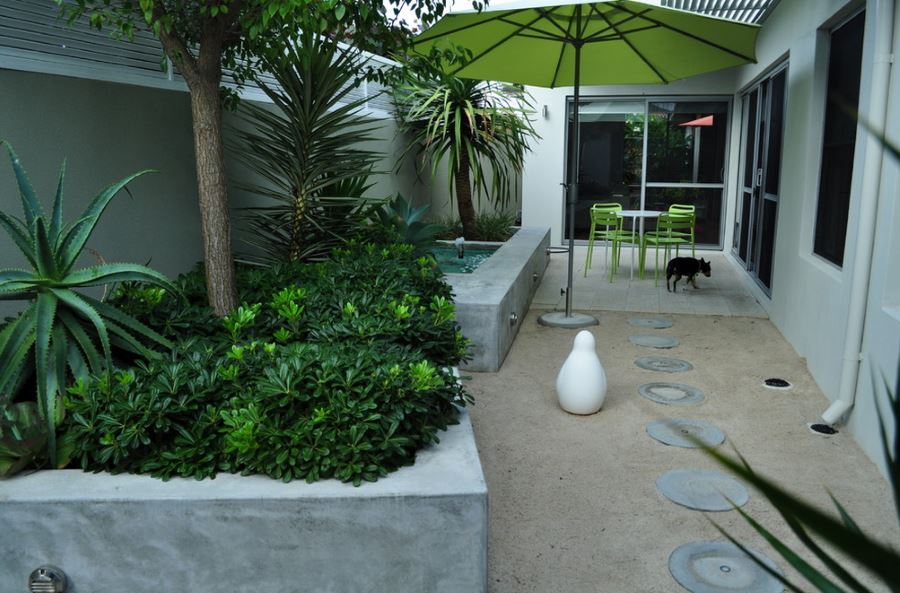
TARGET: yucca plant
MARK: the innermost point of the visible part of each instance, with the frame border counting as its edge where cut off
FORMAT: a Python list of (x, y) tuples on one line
[(839, 532), (62, 330), (308, 153), (480, 130)]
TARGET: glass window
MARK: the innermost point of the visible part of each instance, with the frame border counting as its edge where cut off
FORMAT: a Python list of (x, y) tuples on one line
[(612, 143), (686, 142), (707, 204), (839, 141)]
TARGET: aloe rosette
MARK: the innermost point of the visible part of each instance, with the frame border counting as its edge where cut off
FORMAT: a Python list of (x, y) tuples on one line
[(62, 329)]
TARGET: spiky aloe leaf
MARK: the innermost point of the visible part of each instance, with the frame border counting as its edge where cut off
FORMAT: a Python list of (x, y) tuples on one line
[(73, 239), (44, 251), (85, 351), (20, 236), (110, 273), (127, 321), (16, 341), (30, 204), (45, 312), (56, 217), (77, 303)]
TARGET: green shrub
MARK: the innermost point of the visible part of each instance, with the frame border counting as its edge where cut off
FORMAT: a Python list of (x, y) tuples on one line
[(330, 370), (363, 293), (496, 226), (301, 410)]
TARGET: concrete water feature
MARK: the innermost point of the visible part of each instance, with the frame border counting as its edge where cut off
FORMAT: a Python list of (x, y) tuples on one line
[(422, 528), (492, 300)]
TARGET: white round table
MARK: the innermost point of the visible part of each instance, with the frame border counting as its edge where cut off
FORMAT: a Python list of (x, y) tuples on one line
[(634, 215)]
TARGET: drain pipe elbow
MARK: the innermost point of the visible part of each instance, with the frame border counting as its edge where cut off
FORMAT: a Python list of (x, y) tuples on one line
[(861, 271)]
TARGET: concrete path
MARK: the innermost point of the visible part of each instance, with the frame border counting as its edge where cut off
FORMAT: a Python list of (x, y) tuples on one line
[(573, 502), (724, 293)]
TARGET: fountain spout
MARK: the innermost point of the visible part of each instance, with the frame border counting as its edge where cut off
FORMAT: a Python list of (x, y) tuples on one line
[(459, 243)]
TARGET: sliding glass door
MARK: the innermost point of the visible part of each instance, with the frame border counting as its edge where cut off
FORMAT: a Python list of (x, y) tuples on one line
[(677, 158), (762, 127)]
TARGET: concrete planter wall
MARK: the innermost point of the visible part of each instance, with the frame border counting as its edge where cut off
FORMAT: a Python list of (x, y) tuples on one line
[(492, 300), (421, 529)]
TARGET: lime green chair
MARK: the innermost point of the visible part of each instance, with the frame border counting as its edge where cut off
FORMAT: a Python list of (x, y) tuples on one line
[(687, 210), (606, 225), (672, 230)]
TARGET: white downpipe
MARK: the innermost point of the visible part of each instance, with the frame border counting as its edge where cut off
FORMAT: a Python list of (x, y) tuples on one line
[(868, 210)]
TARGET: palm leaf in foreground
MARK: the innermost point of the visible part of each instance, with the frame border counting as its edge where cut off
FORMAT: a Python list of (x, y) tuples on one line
[(841, 533)]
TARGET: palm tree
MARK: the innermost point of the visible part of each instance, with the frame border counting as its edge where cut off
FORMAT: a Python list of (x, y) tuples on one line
[(479, 128)]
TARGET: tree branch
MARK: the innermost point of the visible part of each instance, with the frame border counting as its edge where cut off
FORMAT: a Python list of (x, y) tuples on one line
[(176, 48)]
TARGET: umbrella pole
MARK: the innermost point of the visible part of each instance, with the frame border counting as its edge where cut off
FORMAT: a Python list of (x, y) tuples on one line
[(570, 319)]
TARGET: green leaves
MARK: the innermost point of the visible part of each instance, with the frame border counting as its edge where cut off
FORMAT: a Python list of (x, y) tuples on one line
[(61, 328), (840, 534), (307, 153), (337, 369), (470, 125)]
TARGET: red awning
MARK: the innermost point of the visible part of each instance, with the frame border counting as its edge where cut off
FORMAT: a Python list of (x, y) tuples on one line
[(702, 121)]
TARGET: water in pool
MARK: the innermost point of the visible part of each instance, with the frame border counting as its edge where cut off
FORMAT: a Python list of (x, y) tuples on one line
[(450, 264)]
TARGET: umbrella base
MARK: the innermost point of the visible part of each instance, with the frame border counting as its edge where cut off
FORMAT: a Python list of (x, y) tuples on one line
[(573, 321)]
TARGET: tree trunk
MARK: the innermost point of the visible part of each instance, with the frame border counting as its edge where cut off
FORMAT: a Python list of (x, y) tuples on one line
[(464, 198), (212, 188)]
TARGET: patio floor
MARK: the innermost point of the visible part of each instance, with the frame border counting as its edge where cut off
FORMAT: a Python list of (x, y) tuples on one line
[(723, 293), (573, 502)]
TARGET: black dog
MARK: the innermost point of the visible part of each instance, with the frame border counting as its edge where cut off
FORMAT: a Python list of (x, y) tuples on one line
[(687, 267)]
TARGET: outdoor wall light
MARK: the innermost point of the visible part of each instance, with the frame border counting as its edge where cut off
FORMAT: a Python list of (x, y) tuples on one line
[(48, 579), (545, 111)]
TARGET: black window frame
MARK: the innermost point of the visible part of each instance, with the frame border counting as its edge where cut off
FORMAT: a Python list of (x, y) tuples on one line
[(842, 91)]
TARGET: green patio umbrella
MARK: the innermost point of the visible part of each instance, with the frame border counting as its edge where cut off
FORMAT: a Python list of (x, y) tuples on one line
[(575, 43)]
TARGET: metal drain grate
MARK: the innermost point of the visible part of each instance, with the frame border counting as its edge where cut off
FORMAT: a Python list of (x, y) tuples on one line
[(776, 383), (822, 429)]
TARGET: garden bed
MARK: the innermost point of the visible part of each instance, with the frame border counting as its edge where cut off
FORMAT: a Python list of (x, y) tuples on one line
[(422, 528), (491, 301)]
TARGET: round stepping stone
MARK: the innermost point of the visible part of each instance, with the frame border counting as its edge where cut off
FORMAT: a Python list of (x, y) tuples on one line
[(722, 567), (650, 322), (686, 433), (653, 341), (702, 490), (671, 394), (663, 364)]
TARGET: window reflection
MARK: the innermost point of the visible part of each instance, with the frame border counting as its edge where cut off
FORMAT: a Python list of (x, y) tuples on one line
[(686, 142)]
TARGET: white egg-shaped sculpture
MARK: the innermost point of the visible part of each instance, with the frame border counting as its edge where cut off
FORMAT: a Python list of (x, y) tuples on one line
[(581, 384)]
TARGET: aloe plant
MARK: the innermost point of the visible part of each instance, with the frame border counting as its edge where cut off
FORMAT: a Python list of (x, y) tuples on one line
[(400, 216), (61, 327)]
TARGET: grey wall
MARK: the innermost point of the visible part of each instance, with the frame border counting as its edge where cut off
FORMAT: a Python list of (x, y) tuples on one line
[(106, 132)]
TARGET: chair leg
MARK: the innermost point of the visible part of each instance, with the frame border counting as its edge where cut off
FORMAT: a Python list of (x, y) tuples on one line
[(590, 251), (693, 244)]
